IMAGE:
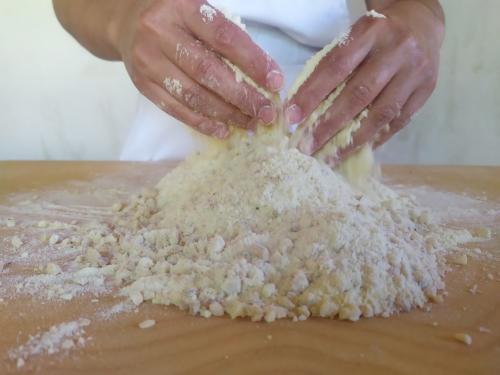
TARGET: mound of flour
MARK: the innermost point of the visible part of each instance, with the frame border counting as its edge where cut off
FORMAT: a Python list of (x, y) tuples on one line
[(266, 232)]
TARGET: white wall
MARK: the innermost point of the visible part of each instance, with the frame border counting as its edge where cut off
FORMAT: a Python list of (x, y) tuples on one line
[(59, 102), (56, 100), (460, 124)]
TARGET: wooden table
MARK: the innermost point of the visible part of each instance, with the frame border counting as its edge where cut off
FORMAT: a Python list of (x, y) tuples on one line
[(419, 342)]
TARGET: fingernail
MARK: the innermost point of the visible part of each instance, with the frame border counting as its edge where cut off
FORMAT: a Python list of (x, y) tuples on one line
[(293, 114), (221, 130), (217, 129), (266, 114), (275, 80)]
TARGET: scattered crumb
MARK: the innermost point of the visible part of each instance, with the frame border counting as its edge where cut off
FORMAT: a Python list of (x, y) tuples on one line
[(43, 224), (482, 232), (118, 206), (147, 324), (269, 337), (53, 269), (435, 324), (54, 239), (460, 259), (95, 300), (438, 298), (490, 276), (473, 289), (16, 242), (484, 330), (20, 363), (464, 338)]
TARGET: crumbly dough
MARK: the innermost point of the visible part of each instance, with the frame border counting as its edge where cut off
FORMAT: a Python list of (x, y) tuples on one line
[(252, 227)]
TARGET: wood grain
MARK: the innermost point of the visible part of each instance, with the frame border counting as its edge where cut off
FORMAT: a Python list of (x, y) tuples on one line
[(179, 343)]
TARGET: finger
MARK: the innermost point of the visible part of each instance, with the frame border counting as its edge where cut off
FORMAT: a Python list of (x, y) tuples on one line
[(385, 109), (158, 95), (333, 69), (414, 103), (208, 69), (365, 85), (228, 39), (193, 95)]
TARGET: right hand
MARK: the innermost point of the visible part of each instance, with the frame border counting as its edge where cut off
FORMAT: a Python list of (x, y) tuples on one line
[(173, 54)]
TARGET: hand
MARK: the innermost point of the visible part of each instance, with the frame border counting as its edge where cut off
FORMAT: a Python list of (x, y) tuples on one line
[(173, 52), (391, 65)]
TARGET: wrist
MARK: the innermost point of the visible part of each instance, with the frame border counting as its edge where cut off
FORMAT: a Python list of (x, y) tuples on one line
[(118, 26)]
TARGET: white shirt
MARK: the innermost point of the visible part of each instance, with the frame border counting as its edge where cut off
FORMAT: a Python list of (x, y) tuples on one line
[(290, 31)]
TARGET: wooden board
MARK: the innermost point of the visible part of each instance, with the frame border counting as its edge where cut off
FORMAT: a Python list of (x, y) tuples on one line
[(410, 343)]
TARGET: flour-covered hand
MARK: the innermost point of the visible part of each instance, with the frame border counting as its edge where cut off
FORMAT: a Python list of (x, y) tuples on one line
[(174, 50), (390, 64)]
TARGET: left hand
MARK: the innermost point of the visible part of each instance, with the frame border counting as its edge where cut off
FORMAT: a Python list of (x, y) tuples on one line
[(391, 65)]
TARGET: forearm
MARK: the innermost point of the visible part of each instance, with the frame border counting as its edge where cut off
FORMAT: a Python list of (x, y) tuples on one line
[(433, 5), (94, 23)]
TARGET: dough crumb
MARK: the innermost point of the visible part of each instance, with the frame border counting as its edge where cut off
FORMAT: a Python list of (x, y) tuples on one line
[(373, 13), (53, 269), (20, 363), (54, 239), (482, 232), (473, 289), (464, 338), (460, 259), (484, 329), (173, 86), (16, 242), (147, 324), (207, 13)]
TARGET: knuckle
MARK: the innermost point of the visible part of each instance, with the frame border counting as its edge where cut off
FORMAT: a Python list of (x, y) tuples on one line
[(204, 69), (361, 95), (224, 34), (432, 82), (138, 58), (147, 20), (399, 124), (192, 97), (340, 66), (243, 100), (386, 113), (140, 82)]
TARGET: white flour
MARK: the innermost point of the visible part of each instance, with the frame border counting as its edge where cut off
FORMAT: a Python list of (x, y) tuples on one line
[(59, 338), (207, 13)]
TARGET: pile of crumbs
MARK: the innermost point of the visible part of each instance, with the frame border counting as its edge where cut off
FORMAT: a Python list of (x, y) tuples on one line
[(59, 338), (265, 232), (259, 231)]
